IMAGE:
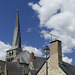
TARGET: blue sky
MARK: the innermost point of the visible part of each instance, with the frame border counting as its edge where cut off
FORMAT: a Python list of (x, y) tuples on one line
[(29, 23), (28, 20), (36, 17)]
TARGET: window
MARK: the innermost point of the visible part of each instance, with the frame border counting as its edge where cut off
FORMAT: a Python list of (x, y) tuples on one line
[(10, 53)]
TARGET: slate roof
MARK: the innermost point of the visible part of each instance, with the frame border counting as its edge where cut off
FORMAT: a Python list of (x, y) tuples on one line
[(26, 70), (13, 68), (24, 57), (67, 68), (42, 64), (38, 62), (14, 48), (33, 72), (2, 64)]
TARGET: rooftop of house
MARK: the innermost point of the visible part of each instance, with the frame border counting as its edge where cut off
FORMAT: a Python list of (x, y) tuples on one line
[(2, 65), (33, 72), (15, 68), (26, 70), (38, 62), (67, 68)]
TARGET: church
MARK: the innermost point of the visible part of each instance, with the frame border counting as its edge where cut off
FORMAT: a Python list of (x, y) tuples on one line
[(20, 62)]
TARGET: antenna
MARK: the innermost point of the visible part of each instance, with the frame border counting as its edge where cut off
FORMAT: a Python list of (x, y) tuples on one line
[(51, 35)]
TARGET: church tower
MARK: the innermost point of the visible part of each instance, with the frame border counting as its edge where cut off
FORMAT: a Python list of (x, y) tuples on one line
[(16, 43)]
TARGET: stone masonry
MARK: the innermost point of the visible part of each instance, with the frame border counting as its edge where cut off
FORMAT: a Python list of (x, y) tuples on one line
[(54, 60)]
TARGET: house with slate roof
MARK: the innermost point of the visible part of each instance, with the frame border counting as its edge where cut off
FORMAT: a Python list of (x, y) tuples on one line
[(21, 62)]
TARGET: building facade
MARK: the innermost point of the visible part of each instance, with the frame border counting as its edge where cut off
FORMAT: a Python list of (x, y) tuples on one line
[(21, 62)]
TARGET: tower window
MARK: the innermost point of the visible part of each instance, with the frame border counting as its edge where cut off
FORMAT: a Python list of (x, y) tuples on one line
[(10, 53)]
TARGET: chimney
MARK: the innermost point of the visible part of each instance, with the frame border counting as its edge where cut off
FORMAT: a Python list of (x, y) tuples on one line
[(55, 54), (31, 56), (18, 61)]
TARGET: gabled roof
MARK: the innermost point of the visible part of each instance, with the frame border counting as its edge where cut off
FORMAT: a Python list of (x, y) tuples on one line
[(42, 63), (67, 68), (38, 63)]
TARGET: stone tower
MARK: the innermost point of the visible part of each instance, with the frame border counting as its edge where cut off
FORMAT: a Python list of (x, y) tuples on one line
[(16, 43)]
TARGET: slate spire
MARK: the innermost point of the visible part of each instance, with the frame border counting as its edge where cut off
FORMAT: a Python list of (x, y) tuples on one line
[(16, 43)]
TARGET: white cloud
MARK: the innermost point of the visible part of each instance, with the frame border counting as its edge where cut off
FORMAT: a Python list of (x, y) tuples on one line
[(3, 48), (36, 51), (67, 43), (45, 34), (66, 59), (63, 23), (45, 9)]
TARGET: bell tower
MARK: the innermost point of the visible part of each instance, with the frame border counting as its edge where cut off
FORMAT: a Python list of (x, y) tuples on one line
[(16, 43)]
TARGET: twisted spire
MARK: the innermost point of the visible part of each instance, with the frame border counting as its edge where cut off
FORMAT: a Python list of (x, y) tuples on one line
[(16, 43)]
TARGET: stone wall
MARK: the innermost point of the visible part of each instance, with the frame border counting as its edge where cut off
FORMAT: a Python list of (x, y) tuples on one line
[(51, 71), (32, 66)]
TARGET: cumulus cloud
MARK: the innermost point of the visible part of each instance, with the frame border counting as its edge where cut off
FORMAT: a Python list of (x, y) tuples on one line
[(3, 48), (36, 51), (58, 15), (66, 59)]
